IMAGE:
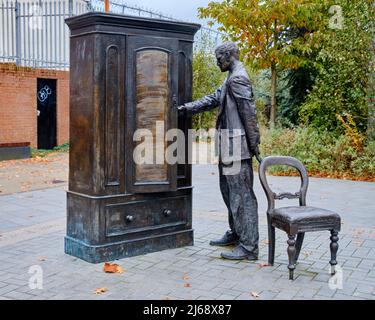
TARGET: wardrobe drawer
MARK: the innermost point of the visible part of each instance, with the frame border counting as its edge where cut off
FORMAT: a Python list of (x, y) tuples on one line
[(137, 216)]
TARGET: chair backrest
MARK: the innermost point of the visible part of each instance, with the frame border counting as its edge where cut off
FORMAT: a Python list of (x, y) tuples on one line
[(288, 161)]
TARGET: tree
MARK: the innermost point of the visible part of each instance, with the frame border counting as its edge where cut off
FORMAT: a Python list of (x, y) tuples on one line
[(270, 33), (297, 84), (207, 77), (343, 63)]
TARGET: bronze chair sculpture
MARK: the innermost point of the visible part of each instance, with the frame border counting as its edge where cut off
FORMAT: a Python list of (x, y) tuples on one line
[(296, 220)]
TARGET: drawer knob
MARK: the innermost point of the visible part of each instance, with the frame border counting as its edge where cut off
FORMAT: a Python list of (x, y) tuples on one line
[(129, 218), (167, 212)]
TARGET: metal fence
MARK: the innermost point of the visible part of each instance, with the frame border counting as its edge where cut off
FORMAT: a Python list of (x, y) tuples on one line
[(34, 34)]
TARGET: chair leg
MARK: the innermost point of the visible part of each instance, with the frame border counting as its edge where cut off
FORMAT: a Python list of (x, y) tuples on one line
[(334, 246), (271, 245), (291, 254), (299, 243)]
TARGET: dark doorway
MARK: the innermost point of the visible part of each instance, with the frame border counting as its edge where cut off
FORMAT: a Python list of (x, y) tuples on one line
[(46, 99)]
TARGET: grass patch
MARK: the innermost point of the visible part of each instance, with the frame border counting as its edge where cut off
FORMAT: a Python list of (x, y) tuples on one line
[(41, 153)]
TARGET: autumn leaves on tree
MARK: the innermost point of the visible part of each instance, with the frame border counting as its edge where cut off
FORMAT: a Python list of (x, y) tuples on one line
[(283, 34)]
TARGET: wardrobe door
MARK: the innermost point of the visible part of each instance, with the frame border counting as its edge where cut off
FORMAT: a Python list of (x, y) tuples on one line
[(152, 93)]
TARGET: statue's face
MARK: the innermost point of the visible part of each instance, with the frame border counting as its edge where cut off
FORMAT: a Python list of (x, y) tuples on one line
[(223, 61)]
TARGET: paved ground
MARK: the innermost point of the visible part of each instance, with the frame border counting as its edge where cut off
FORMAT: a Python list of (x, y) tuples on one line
[(32, 227), (32, 174)]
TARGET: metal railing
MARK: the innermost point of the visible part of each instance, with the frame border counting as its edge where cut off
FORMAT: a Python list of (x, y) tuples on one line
[(34, 34)]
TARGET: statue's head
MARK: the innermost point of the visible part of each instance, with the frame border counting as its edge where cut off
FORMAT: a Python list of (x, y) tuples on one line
[(226, 54)]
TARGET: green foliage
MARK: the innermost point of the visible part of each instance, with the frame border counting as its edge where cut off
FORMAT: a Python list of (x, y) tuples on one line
[(333, 65), (293, 91), (270, 33), (44, 153), (267, 31), (342, 61), (207, 77), (320, 152)]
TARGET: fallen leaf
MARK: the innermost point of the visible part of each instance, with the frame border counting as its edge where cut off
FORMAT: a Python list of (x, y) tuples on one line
[(187, 285), (100, 290), (358, 243), (254, 294), (112, 268), (185, 278), (262, 265), (41, 259), (165, 298), (120, 270), (54, 181)]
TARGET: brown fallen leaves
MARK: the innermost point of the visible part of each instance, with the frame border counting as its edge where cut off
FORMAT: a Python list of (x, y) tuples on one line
[(55, 181), (100, 290), (112, 268), (186, 278), (322, 174), (254, 294), (109, 268), (263, 265), (35, 173)]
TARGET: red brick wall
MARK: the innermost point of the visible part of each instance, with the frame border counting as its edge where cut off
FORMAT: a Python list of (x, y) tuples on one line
[(18, 103)]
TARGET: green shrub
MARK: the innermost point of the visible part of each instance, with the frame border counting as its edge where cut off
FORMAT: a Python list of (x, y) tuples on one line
[(44, 153), (207, 77), (322, 153)]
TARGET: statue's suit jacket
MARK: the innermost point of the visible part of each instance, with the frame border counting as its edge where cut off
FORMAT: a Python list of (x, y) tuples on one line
[(237, 113)]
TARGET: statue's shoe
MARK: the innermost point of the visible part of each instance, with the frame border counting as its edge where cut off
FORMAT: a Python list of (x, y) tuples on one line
[(226, 240), (239, 253)]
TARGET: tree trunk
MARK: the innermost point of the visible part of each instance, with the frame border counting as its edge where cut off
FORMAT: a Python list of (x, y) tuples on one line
[(273, 95)]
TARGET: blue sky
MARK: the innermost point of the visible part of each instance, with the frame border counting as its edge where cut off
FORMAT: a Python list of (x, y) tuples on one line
[(179, 9)]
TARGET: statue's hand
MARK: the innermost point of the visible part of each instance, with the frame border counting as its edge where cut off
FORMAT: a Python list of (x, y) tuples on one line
[(256, 153), (181, 108)]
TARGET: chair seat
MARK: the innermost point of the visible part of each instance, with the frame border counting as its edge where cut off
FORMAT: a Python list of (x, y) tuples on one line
[(300, 214)]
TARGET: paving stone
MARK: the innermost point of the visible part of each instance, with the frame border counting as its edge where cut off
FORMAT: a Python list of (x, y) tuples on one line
[(286, 295), (160, 275), (365, 288), (307, 293), (368, 244), (364, 295), (7, 288), (325, 291)]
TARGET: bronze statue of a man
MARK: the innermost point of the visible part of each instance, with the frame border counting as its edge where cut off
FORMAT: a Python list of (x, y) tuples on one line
[(237, 114)]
